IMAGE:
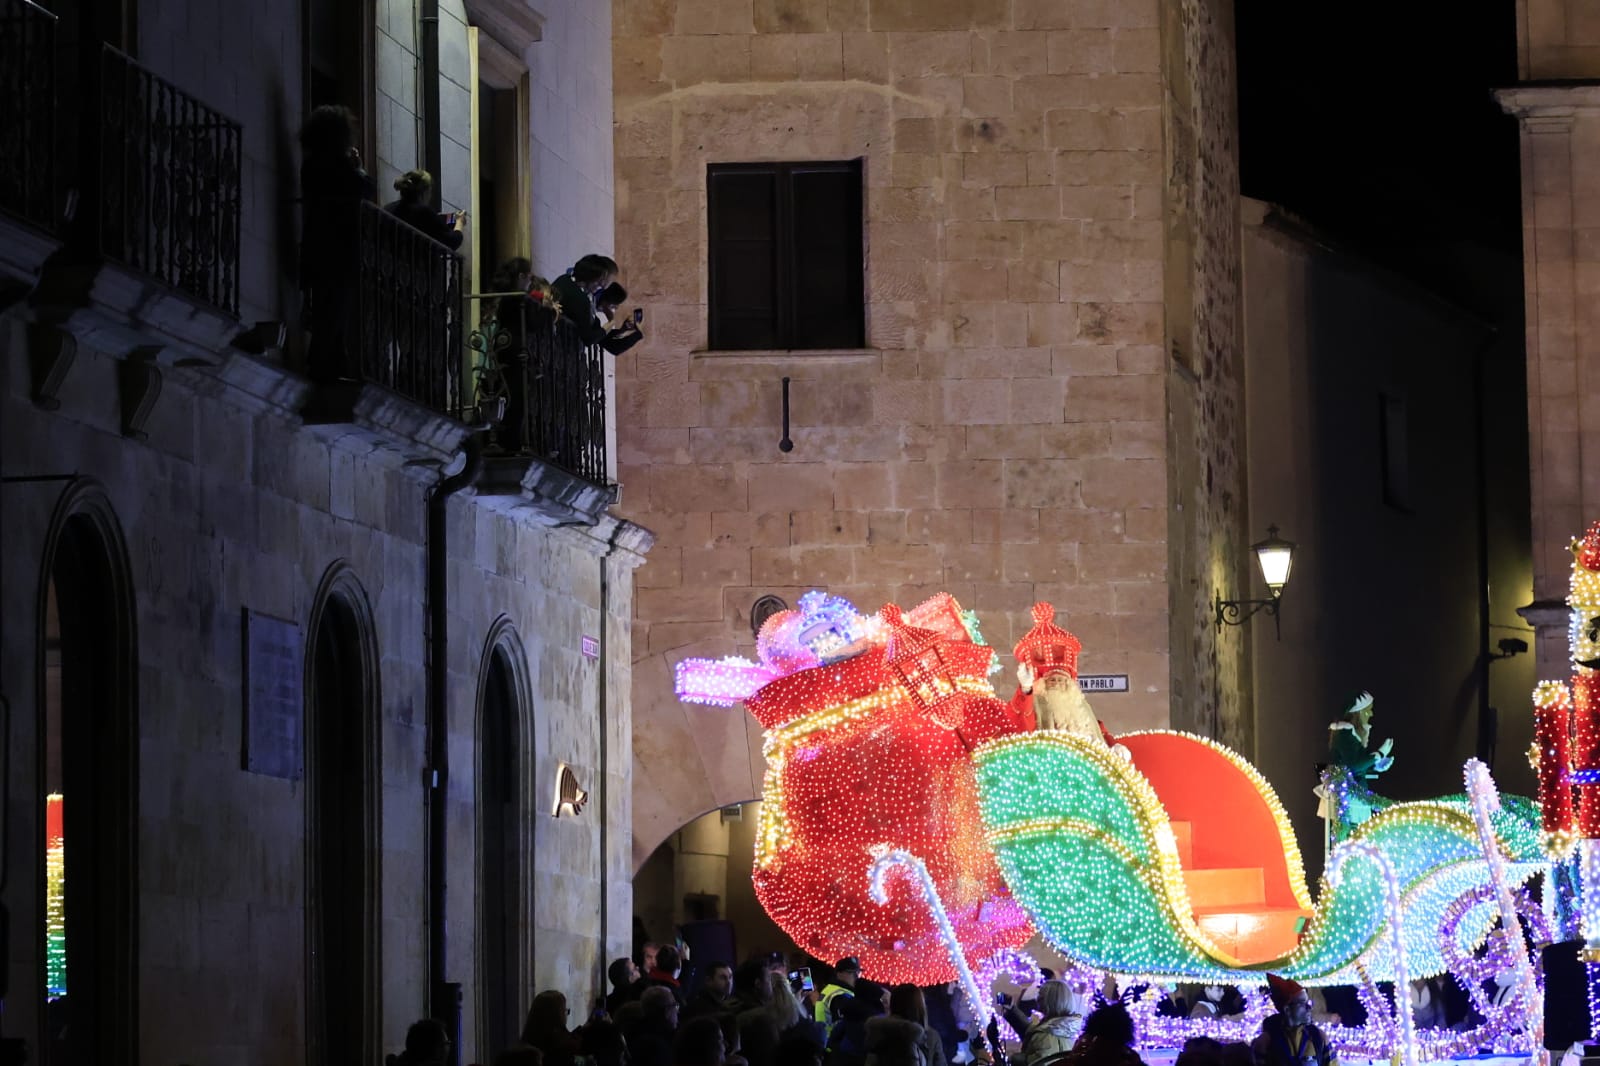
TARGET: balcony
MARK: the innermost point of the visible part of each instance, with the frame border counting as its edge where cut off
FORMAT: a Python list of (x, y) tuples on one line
[(548, 451), (169, 184), (390, 311), (27, 112)]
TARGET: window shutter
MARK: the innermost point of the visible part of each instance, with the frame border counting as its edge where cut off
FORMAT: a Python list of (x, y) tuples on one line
[(824, 203), (742, 224)]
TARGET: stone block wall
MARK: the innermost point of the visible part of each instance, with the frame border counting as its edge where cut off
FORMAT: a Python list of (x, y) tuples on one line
[(233, 504), (1004, 434), (570, 80), (1207, 539)]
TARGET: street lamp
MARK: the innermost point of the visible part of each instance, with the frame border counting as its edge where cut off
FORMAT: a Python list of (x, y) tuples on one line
[(1275, 556)]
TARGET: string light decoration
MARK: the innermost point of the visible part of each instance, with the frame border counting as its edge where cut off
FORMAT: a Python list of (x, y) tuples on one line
[(1552, 724), (1405, 1023), (55, 896), (887, 859), (1016, 967), (869, 721), (1086, 846)]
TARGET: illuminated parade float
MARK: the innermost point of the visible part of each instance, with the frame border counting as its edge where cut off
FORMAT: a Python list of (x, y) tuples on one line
[(914, 819)]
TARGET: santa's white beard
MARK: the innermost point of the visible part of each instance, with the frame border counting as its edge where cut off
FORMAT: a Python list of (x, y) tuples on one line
[(1063, 706)]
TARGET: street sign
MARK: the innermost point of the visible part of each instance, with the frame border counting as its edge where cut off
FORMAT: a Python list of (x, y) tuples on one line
[(1103, 682)]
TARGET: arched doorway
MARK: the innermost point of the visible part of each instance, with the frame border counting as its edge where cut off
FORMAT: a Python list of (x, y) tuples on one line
[(87, 759), (342, 834), (698, 880), (505, 838)]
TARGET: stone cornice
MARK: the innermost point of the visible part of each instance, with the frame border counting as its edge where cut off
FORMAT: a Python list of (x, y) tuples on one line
[(1550, 105)]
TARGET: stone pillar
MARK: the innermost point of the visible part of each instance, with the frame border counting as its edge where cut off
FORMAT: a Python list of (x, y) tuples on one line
[(1561, 257)]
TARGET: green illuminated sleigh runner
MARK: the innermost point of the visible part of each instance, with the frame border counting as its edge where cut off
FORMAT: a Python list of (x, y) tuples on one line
[(1181, 864)]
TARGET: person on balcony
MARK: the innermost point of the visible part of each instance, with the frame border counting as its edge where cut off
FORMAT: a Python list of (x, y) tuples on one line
[(332, 186), (576, 290), (413, 208), (618, 339)]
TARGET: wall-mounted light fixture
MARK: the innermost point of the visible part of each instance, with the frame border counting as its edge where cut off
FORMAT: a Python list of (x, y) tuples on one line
[(1275, 556), (569, 797)]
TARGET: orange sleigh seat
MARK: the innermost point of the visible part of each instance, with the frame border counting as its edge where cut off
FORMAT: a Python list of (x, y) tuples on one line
[(1240, 861)]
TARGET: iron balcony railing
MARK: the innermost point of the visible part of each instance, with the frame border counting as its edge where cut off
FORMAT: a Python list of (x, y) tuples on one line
[(408, 333), (169, 183), (27, 112), (553, 385)]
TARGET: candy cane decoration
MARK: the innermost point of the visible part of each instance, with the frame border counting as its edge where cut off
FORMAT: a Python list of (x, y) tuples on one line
[(878, 888), (1391, 899), (1485, 802)]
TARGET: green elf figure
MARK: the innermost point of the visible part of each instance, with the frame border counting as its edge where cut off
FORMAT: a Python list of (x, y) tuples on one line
[(1353, 767)]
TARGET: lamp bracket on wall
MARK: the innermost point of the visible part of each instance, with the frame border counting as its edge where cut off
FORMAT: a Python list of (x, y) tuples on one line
[(1237, 612)]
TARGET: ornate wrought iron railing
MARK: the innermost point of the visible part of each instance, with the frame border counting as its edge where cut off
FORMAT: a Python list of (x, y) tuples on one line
[(409, 329), (28, 112), (169, 183), (554, 388)]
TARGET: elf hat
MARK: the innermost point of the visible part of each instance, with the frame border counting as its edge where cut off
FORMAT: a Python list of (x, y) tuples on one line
[(1283, 990), (1047, 647)]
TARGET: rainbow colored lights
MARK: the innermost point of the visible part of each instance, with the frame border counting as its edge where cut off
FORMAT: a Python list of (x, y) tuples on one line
[(55, 897)]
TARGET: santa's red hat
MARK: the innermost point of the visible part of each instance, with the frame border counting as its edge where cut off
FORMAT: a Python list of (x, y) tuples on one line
[(1048, 647), (1283, 989)]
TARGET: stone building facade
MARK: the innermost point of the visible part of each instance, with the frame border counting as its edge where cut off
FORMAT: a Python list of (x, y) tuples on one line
[(1558, 108), (1046, 405), (321, 686)]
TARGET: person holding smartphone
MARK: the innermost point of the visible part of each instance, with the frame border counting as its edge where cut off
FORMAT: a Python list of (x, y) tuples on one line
[(618, 339)]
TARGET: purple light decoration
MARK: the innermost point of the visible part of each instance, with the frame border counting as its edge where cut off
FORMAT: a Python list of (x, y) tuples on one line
[(721, 682), (1017, 967)]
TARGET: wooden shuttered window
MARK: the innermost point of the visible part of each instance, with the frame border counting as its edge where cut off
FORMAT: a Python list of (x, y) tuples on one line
[(785, 255)]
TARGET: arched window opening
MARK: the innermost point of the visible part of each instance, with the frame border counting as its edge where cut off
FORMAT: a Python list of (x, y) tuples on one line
[(86, 753), (501, 865), (342, 877)]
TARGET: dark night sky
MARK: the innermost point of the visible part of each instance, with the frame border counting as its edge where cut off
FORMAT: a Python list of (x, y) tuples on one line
[(1373, 118)]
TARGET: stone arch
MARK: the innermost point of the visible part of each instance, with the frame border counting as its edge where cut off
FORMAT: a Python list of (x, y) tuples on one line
[(506, 777), (687, 760), (343, 839), (85, 569)]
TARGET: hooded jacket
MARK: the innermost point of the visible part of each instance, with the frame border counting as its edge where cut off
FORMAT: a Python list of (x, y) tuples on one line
[(1051, 1036), (895, 1041)]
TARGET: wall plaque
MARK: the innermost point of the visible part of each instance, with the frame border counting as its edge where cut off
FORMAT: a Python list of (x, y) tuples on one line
[(274, 697), (1103, 682)]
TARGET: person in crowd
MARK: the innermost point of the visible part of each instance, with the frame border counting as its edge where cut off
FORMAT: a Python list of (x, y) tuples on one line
[(576, 291), (427, 1044), (650, 1042), (519, 1055), (908, 1003), (626, 983), (942, 1019), (647, 951), (546, 1029), (1290, 1037), (1200, 1051), (414, 209), (332, 187), (665, 972), (847, 1042), (700, 1044), (732, 1044), (797, 1050), (1107, 1039), (894, 1041), (604, 1044), (714, 993), (624, 335), (831, 1006), (1058, 1026)]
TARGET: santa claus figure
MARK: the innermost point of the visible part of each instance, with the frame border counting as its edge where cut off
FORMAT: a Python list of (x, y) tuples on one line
[(1048, 695)]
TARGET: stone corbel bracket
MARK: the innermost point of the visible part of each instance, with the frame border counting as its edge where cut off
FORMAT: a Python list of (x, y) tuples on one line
[(138, 387)]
